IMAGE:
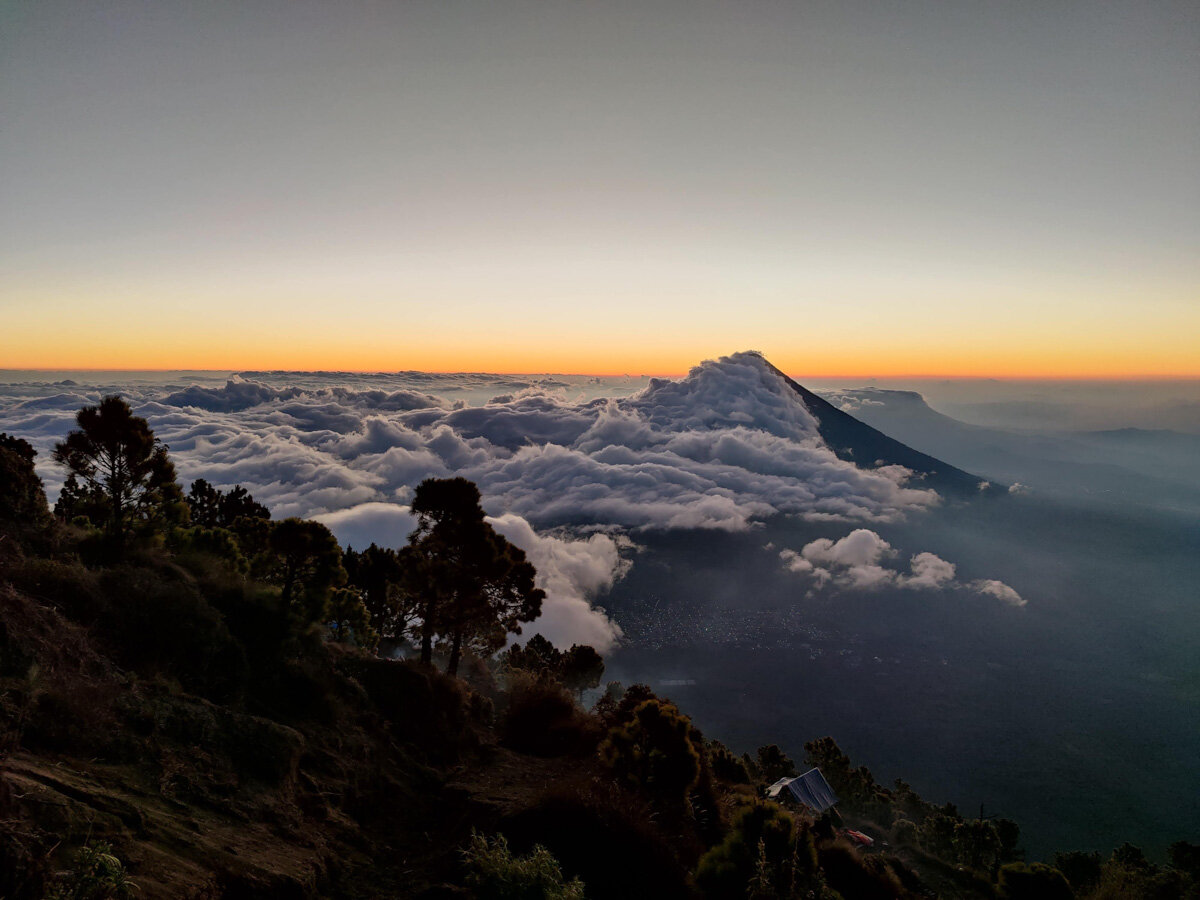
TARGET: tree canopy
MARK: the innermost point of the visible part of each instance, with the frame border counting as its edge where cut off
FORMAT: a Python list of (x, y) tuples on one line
[(472, 586), (119, 472), (22, 499), (385, 588), (306, 563), (213, 508)]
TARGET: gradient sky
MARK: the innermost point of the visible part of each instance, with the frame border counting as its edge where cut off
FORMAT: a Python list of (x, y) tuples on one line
[(1010, 188)]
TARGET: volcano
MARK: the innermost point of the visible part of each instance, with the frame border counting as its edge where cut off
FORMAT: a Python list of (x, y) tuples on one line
[(855, 441)]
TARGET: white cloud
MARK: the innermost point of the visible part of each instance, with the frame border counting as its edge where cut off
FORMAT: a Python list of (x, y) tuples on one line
[(998, 589), (385, 524), (862, 561), (929, 571)]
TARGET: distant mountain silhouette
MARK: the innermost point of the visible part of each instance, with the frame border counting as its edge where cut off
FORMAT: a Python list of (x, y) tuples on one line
[(866, 447)]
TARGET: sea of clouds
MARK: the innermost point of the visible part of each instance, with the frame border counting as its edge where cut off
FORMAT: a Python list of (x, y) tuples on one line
[(567, 474)]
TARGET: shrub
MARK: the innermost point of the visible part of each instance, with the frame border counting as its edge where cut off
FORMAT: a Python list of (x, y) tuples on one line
[(936, 836), (726, 869), (542, 718), (158, 623), (1035, 881), (1081, 869), (654, 750), (852, 876), (422, 706), (606, 837), (97, 875), (498, 875), (904, 833), (1186, 858), (977, 845), (617, 705), (774, 764), (726, 765)]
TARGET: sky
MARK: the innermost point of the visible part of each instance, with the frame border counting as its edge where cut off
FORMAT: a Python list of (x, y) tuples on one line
[(918, 188)]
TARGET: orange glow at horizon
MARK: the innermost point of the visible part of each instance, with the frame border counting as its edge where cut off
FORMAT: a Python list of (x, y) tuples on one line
[(248, 354)]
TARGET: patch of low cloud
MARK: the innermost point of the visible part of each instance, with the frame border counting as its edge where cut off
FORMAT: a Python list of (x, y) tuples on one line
[(862, 560), (998, 589)]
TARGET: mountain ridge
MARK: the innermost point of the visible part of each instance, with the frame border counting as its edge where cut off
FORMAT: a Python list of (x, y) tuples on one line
[(855, 441)]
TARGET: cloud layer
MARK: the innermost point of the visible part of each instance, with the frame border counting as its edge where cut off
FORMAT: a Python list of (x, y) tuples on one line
[(726, 446)]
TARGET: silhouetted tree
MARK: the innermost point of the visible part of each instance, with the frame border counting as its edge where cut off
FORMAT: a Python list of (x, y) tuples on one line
[(114, 454), (581, 668), (306, 563), (382, 583), (538, 657), (213, 508), (22, 499), (774, 764), (1009, 833), (473, 587), (977, 845), (349, 619)]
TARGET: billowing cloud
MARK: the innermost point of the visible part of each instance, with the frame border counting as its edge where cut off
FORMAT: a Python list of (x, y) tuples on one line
[(862, 560), (930, 571), (572, 573)]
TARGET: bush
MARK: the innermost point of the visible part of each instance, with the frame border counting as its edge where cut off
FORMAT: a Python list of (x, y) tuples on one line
[(422, 706), (68, 587), (936, 836), (498, 875), (851, 876), (97, 875), (654, 750), (726, 870), (1081, 869), (976, 845), (542, 718), (774, 764), (617, 705), (1035, 881), (727, 766), (904, 833), (606, 837)]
